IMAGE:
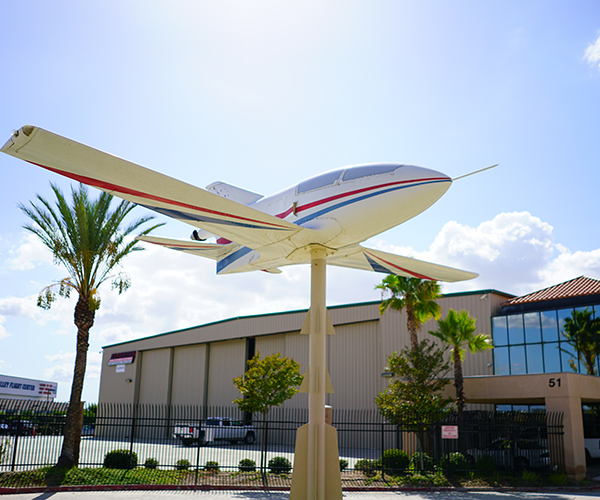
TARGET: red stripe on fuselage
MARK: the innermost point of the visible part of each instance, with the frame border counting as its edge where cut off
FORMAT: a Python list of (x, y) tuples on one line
[(313, 204), (113, 187)]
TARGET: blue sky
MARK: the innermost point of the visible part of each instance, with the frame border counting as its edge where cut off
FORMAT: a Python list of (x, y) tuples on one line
[(263, 94)]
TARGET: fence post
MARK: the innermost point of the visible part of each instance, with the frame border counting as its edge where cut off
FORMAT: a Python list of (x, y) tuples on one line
[(382, 450), (135, 408), (198, 449), (14, 456), (263, 457)]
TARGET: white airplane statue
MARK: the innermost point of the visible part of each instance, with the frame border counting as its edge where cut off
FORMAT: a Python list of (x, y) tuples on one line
[(321, 220), (337, 210)]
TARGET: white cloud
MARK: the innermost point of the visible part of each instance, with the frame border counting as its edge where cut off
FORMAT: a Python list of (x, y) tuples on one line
[(61, 356), (3, 332), (30, 252), (26, 307), (508, 252), (63, 370), (569, 265), (514, 252), (592, 53)]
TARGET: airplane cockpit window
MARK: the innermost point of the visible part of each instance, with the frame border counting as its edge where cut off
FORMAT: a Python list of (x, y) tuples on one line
[(319, 181), (366, 170)]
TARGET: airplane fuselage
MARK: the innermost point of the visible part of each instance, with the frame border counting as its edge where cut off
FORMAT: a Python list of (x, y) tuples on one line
[(349, 205), (346, 206)]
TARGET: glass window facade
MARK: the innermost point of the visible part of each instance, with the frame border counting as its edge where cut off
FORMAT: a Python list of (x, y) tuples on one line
[(532, 342)]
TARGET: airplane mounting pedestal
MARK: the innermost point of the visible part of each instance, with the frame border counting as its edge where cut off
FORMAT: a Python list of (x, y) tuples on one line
[(316, 474)]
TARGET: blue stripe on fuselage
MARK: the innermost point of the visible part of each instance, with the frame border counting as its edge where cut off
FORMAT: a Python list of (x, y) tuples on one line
[(323, 211)]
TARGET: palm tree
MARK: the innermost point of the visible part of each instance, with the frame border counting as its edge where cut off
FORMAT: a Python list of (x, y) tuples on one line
[(583, 334), (458, 330), (415, 295), (88, 240)]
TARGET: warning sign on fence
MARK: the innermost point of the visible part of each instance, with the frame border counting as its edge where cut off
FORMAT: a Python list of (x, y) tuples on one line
[(449, 431)]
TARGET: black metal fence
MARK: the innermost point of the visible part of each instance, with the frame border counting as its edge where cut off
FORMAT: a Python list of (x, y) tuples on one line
[(169, 436)]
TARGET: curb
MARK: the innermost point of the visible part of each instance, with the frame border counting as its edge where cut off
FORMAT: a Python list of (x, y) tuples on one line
[(171, 487)]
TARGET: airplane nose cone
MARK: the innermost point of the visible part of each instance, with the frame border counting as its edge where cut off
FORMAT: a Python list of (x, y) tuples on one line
[(416, 173), (421, 188)]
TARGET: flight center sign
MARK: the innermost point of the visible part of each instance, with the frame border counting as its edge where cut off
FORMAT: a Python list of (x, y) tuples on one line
[(24, 387), (120, 359)]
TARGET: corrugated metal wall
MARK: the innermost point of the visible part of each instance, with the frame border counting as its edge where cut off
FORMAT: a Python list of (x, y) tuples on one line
[(271, 344), (227, 361), (353, 363), (155, 377), (189, 374)]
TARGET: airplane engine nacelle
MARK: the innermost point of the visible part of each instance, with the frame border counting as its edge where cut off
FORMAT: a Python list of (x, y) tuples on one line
[(201, 235)]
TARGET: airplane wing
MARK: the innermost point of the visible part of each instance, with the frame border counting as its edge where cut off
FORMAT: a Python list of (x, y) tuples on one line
[(155, 191), (213, 251), (367, 259)]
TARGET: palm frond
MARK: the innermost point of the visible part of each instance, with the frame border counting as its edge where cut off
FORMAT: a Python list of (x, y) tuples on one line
[(85, 236)]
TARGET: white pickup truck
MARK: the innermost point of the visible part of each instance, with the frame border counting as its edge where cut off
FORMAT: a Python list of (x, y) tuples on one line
[(214, 429)]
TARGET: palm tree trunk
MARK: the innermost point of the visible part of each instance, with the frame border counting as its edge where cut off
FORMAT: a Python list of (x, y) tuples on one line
[(458, 382), (84, 320)]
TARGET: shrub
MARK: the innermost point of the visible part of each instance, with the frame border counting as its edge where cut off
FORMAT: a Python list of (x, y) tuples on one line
[(120, 459), (418, 480), (415, 461), (343, 464), (486, 465), (212, 467), (454, 462), (151, 463), (366, 466), (182, 464), (247, 465), (280, 465), (531, 478), (559, 478), (395, 461)]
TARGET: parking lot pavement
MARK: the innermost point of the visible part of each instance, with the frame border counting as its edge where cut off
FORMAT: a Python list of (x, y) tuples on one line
[(279, 495)]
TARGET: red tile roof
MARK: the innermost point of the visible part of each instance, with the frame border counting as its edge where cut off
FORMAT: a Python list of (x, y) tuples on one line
[(576, 287)]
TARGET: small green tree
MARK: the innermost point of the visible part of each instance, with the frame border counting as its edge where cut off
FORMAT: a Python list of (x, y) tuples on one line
[(415, 295), (413, 398), (582, 333), (268, 382), (457, 331)]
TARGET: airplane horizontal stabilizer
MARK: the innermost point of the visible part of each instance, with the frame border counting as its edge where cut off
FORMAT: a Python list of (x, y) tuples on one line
[(367, 259), (210, 250), (161, 193)]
